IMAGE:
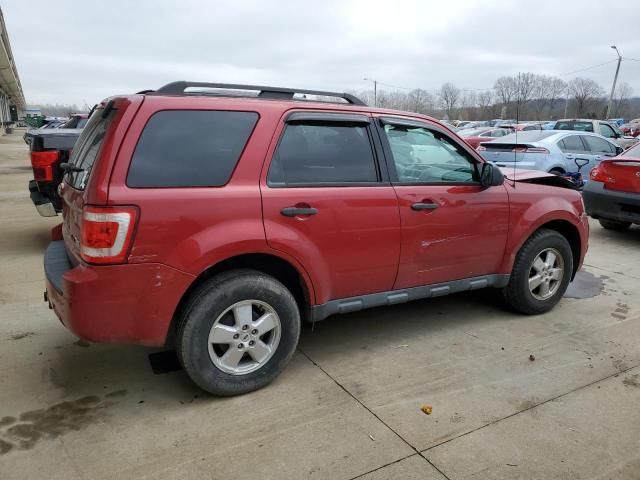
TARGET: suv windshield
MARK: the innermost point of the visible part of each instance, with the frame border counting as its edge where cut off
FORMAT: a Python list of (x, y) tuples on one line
[(88, 146)]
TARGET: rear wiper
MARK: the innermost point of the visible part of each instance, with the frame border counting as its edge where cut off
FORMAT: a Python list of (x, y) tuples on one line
[(70, 167)]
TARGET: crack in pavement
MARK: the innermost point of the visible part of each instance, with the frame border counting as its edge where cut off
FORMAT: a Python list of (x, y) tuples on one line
[(423, 452), (611, 271), (415, 450), (590, 384)]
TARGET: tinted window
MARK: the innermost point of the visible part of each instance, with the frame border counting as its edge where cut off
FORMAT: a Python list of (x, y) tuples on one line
[(571, 125), (606, 131), (190, 148), (572, 143), (421, 155), (87, 147), (599, 145), (323, 153), (82, 122)]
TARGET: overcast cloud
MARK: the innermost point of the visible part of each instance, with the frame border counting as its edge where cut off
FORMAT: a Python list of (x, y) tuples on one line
[(77, 52)]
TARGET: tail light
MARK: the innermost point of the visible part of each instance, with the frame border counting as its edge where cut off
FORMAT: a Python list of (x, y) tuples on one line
[(524, 149), (42, 164), (544, 151), (107, 233), (599, 174)]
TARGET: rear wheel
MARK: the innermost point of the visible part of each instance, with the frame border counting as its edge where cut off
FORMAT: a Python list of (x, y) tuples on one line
[(238, 332), (556, 171), (541, 273), (614, 225)]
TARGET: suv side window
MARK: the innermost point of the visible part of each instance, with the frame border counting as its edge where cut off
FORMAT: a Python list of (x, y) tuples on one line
[(606, 131), (321, 153), (421, 155), (190, 148), (599, 145), (572, 143)]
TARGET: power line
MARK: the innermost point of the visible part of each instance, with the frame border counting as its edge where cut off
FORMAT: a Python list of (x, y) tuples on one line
[(587, 68)]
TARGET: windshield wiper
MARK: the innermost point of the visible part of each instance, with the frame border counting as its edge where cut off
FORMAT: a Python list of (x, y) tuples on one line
[(70, 167)]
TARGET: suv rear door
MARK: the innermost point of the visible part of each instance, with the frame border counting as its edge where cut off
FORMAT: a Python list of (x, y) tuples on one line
[(328, 203), (452, 227)]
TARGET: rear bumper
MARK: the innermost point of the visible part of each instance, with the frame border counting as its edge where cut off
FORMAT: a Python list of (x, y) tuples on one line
[(129, 303), (611, 205), (42, 202)]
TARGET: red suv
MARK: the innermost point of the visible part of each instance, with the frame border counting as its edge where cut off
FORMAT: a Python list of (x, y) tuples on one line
[(216, 217)]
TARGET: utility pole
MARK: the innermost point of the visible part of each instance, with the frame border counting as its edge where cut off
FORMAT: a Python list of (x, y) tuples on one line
[(615, 79), (566, 104), (375, 90)]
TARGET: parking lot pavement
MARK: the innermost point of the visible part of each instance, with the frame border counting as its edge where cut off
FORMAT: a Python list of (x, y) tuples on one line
[(349, 404)]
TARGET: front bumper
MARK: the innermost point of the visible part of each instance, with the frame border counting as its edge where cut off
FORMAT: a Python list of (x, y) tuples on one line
[(128, 303), (611, 205)]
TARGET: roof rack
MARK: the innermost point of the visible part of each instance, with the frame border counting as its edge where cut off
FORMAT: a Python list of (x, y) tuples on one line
[(178, 88)]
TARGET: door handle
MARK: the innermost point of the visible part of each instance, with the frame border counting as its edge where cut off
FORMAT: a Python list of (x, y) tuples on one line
[(424, 206), (295, 211)]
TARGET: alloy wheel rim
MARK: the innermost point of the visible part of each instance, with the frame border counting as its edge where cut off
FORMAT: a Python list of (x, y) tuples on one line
[(546, 274), (244, 337)]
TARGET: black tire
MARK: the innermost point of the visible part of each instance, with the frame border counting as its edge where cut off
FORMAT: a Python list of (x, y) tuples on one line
[(614, 225), (556, 171), (516, 294), (207, 303)]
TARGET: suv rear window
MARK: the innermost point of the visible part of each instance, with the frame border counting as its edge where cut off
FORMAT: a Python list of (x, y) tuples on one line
[(190, 148), (88, 146), (573, 125)]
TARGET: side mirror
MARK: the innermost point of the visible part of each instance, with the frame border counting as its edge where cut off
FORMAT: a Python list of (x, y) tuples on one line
[(490, 175)]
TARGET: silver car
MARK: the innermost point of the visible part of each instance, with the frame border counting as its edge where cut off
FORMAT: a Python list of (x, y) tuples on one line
[(553, 151)]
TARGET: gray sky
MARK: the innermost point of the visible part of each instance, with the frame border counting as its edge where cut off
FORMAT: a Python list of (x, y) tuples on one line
[(83, 51)]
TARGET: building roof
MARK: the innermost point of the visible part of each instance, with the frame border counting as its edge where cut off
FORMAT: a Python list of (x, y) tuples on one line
[(9, 79)]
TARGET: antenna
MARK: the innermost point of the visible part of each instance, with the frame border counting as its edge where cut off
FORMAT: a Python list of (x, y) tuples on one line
[(515, 150)]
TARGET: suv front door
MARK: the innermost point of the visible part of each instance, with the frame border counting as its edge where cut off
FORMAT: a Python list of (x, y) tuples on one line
[(328, 203), (452, 227)]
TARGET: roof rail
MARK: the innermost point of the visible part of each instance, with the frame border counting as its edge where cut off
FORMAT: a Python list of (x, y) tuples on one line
[(178, 88)]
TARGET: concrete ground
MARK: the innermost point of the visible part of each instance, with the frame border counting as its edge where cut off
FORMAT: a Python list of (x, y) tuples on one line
[(349, 404)]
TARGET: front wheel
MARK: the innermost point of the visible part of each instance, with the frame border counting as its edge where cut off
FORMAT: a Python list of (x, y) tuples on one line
[(541, 273), (238, 331)]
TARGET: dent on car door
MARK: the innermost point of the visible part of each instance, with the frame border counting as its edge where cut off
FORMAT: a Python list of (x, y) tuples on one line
[(327, 202), (452, 227)]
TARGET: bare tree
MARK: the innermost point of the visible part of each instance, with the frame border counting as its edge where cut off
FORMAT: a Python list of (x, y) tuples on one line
[(506, 90), (485, 101), (621, 99), (557, 90), (584, 92), (526, 84), (449, 95), (421, 101)]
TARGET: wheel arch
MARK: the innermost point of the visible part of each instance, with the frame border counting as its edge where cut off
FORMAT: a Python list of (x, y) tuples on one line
[(282, 270), (571, 233)]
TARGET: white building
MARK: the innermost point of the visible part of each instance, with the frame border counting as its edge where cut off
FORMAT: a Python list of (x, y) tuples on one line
[(11, 95)]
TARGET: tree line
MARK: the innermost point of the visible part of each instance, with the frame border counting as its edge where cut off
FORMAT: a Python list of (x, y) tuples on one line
[(528, 96)]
